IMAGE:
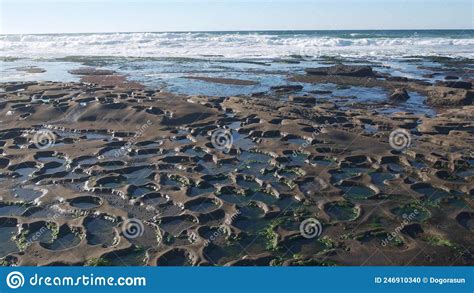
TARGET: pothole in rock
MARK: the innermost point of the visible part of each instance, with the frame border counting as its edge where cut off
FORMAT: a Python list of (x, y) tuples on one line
[(466, 172), (139, 177), (395, 168), (431, 193), (233, 198), (341, 211), (448, 176), (44, 158), (378, 237), (251, 210), (202, 205), (298, 159), (154, 199), (346, 173), (8, 229), (24, 174), (253, 159), (303, 246), (232, 250), (454, 203), (216, 235), (378, 178), (176, 257), (100, 231), (42, 232), (411, 212), (202, 188), (193, 152), (250, 225), (26, 194), (85, 202), (111, 181), (312, 186), (176, 225), (216, 179), (128, 257), (66, 238), (85, 161), (356, 191), (111, 165), (323, 161), (12, 209), (113, 153), (211, 168), (182, 139), (247, 183), (169, 209), (466, 219), (174, 181), (35, 212), (138, 191)]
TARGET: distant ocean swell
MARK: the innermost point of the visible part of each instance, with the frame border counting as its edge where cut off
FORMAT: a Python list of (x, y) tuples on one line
[(242, 45)]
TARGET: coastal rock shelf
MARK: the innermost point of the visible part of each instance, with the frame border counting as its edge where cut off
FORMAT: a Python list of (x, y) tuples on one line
[(229, 180)]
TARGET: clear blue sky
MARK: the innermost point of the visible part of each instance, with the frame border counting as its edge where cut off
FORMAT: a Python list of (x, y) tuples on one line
[(72, 16)]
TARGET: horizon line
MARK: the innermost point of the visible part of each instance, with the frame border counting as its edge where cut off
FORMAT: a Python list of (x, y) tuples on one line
[(237, 31)]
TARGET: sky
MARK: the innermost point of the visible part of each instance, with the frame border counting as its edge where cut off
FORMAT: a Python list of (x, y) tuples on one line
[(73, 16)]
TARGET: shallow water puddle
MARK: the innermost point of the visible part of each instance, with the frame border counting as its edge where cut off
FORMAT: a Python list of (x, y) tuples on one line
[(199, 190), (248, 184), (139, 191), (176, 225), (431, 193), (412, 213), (251, 211), (298, 159), (12, 210), (26, 194), (357, 192), (24, 173), (169, 210), (134, 258), (325, 162), (341, 211), (7, 245), (202, 205), (234, 198), (194, 152), (378, 178), (210, 168), (175, 257), (305, 246), (347, 172), (42, 234), (85, 202), (100, 231), (64, 242), (242, 141)]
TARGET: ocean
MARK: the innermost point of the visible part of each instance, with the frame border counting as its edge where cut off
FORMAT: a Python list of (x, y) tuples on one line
[(165, 60), (248, 44)]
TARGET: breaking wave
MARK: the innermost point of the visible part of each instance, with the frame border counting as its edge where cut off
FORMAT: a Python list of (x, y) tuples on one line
[(235, 44)]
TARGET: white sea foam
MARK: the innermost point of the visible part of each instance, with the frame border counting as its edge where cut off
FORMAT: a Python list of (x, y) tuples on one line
[(233, 45)]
